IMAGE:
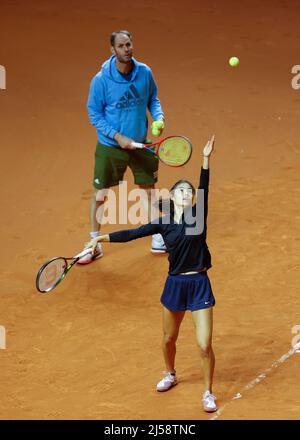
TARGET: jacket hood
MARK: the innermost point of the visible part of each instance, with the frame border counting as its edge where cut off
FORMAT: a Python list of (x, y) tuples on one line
[(110, 70)]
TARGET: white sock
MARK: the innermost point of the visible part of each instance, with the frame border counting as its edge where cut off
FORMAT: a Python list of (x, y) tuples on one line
[(94, 234)]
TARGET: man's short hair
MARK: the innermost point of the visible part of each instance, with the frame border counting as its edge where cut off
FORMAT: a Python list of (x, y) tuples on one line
[(115, 33)]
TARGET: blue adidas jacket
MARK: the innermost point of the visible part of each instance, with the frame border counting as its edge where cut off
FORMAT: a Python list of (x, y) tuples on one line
[(116, 104)]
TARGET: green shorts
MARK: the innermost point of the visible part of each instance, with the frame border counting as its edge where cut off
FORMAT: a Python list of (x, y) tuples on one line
[(111, 164)]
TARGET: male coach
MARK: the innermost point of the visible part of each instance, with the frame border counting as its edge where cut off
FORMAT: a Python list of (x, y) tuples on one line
[(119, 97)]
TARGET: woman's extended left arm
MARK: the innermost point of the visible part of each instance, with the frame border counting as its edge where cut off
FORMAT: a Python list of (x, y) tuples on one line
[(207, 150), (204, 177)]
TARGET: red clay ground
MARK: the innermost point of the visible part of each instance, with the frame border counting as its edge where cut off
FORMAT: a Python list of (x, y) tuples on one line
[(91, 349)]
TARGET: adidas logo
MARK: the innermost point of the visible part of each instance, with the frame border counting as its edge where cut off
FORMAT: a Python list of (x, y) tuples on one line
[(130, 99)]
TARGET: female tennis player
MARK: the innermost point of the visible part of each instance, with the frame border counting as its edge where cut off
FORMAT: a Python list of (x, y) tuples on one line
[(187, 286)]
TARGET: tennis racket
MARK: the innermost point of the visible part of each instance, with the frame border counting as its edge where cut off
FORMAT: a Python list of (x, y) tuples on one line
[(55, 270), (172, 150)]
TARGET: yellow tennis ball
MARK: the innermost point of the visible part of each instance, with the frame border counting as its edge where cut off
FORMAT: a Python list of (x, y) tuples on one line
[(155, 132), (159, 124), (234, 61)]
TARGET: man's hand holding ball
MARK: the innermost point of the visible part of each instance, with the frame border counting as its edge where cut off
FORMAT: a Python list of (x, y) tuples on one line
[(157, 127)]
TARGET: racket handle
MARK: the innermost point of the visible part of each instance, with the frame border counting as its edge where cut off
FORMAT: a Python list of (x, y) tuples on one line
[(137, 145), (83, 253)]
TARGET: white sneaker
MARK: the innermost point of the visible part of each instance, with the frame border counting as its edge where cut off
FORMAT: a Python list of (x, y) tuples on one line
[(208, 401), (169, 381), (88, 258), (158, 245)]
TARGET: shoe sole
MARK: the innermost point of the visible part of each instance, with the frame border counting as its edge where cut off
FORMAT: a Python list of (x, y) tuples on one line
[(209, 410), (158, 251), (91, 260), (167, 389)]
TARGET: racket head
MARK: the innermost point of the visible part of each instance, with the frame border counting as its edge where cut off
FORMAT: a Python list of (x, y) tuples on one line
[(175, 151), (50, 274)]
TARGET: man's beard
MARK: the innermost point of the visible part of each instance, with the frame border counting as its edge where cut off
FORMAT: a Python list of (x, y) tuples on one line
[(124, 60)]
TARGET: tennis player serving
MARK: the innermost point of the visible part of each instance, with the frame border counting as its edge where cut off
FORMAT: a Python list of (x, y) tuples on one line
[(187, 286)]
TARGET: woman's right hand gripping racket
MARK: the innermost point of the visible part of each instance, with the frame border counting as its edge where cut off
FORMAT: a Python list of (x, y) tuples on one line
[(174, 151), (55, 270)]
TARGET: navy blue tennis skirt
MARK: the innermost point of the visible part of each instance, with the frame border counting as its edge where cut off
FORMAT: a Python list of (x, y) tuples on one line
[(188, 292)]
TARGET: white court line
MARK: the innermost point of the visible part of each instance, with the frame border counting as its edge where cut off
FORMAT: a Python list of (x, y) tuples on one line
[(260, 378)]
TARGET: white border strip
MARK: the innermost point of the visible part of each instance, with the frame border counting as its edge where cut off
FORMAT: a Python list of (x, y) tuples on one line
[(260, 378)]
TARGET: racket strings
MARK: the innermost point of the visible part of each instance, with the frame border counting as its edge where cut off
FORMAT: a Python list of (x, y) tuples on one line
[(175, 151), (51, 274)]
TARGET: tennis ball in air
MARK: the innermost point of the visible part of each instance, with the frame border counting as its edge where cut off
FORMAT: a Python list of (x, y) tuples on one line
[(155, 132), (234, 61)]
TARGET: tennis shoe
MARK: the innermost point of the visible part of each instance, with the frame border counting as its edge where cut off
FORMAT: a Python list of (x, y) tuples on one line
[(89, 257), (158, 245), (208, 400), (169, 380)]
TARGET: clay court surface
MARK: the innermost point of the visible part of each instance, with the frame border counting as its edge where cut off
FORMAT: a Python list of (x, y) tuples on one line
[(91, 348)]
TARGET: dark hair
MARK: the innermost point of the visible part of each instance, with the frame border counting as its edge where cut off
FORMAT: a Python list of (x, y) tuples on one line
[(115, 33), (179, 182), (166, 206)]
